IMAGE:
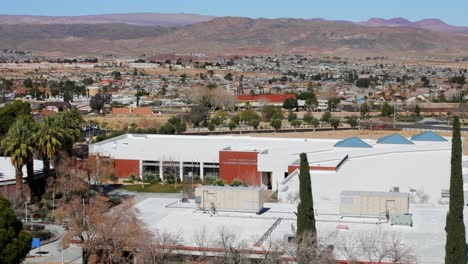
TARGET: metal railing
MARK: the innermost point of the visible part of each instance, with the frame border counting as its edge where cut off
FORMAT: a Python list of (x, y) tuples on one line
[(268, 232)]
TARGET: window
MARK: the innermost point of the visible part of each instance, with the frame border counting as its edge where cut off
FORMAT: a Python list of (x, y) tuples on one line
[(150, 167), (171, 168), (192, 167), (211, 170)]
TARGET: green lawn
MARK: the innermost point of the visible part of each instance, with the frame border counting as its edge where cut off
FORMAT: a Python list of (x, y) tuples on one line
[(155, 188)]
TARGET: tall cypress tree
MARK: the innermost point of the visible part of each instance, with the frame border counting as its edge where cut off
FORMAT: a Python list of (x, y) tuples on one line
[(455, 245), (305, 209)]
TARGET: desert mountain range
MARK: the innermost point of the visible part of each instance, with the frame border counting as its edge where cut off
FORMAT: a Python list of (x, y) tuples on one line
[(148, 33)]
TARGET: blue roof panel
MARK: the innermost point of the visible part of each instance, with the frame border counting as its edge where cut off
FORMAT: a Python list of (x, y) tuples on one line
[(394, 139), (428, 136), (352, 142)]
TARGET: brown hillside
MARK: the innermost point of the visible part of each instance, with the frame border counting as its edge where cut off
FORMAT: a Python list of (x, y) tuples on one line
[(231, 35)]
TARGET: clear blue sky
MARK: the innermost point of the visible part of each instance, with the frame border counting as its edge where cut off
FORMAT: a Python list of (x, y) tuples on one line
[(452, 11)]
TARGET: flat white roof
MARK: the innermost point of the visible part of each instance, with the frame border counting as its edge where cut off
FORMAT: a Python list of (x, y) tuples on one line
[(8, 172), (423, 165), (427, 236), (367, 193), (206, 148)]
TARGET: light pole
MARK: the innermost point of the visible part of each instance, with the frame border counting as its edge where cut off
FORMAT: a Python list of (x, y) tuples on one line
[(26, 211), (89, 133), (62, 253), (359, 119)]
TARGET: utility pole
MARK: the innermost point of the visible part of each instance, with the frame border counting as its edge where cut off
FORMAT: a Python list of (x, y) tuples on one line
[(53, 202), (359, 119), (83, 214), (394, 115)]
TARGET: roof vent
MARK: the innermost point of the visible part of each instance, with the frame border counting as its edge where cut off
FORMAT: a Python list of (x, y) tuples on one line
[(428, 136), (352, 142), (394, 139)]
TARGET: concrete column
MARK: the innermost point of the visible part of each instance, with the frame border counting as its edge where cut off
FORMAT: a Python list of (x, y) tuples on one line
[(201, 171), (181, 170), (141, 169), (161, 176)]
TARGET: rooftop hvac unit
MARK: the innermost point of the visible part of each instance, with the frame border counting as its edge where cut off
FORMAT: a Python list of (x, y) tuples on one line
[(227, 198), (290, 238), (402, 219)]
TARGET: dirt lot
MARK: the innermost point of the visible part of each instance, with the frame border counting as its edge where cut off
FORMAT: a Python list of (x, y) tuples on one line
[(122, 122)]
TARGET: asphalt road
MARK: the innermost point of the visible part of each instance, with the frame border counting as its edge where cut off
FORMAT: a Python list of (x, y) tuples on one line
[(283, 130), (71, 254)]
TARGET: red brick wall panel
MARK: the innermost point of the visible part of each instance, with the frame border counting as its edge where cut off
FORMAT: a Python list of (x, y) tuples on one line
[(124, 168), (241, 165)]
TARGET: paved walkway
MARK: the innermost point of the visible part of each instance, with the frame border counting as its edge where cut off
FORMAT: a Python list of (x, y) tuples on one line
[(52, 253), (141, 196)]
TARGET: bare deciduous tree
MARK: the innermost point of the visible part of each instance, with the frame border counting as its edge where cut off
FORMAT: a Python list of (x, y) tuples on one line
[(292, 197), (375, 246), (309, 251), (399, 252), (69, 180), (202, 240), (233, 248), (98, 169), (159, 248), (273, 252), (107, 236), (347, 247)]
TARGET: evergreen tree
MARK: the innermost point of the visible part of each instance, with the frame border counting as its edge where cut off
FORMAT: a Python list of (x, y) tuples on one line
[(15, 243), (97, 102), (417, 110), (305, 208), (276, 123), (455, 246)]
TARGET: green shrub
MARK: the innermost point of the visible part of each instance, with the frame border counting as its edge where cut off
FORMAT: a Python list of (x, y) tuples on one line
[(219, 182), (196, 178), (113, 177), (133, 177), (108, 136), (274, 196), (115, 201), (236, 183), (209, 181), (149, 177), (171, 179), (47, 196), (42, 234), (33, 227)]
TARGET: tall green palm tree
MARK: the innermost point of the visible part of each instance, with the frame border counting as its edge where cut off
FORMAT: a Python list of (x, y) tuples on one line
[(18, 145), (49, 139), (70, 122)]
